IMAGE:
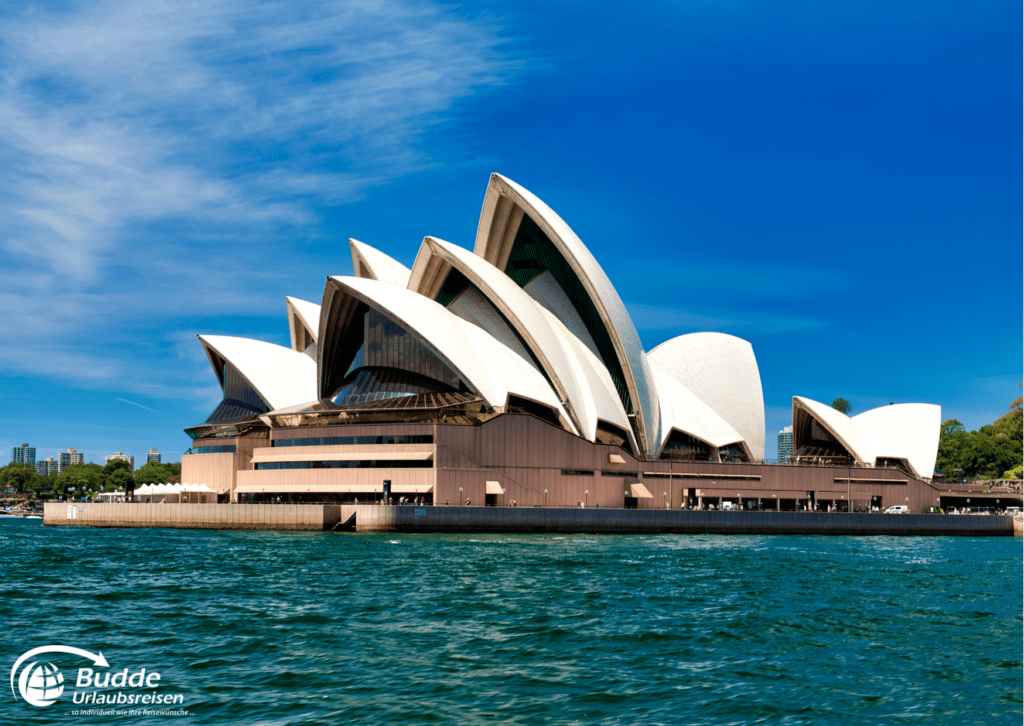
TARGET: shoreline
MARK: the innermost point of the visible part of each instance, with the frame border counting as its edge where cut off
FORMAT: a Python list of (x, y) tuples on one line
[(510, 520)]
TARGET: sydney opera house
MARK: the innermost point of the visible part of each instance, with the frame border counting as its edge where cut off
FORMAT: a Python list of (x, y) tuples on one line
[(513, 374)]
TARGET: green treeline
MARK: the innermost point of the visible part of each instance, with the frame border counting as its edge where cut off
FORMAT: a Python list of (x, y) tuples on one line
[(992, 452), (85, 479)]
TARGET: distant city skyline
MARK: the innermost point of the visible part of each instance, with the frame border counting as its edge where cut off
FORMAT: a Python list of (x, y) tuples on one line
[(839, 185), (62, 459)]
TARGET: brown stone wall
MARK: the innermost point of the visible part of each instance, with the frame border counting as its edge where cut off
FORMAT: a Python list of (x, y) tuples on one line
[(304, 517)]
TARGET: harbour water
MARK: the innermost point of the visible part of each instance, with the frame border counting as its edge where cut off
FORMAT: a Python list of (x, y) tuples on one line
[(316, 628)]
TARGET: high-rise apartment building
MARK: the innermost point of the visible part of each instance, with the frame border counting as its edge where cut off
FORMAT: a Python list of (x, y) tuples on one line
[(23, 454), (46, 467), (124, 457), (69, 458), (785, 445), (153, 455)]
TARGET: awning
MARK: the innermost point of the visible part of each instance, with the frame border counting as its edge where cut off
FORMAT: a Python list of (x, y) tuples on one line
[(494, 487), (332, 489), (639, 491), (261, 458), (615, 459)]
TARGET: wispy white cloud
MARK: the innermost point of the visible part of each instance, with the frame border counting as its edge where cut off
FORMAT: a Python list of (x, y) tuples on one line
[(155, 154), (655, 318)]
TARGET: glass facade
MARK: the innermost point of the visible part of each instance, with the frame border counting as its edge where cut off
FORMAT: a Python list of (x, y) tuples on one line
[(732, 454), (357, 440), (23, 454), (684, 447), (393, 362), (240, 399), (533, 253), (785, 445), (214, 449), (815, 441), (454, 284), (359, 464)]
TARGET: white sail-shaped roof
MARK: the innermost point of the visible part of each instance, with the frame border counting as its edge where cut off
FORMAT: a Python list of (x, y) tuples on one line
[(521, 311), (504, 206), (477, 358), (373, 264), (600, 401), (303, 323), (281, 376), (518, 376), (908, 431), (544, 288), (839, 425), (721, 371), (684, 412)]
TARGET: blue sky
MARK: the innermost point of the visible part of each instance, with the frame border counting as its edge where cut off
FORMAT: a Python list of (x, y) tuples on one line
[(839, 184)]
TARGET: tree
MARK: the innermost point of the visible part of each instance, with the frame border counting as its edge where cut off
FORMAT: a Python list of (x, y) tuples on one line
[(81, 478), (153, 473), (117, 474), (992, 452), (42, 485), (17, 477), (842, 406)]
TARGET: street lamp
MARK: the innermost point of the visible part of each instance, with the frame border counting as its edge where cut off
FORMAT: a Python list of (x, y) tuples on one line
[(460, 495), (665, 494), (776, 502), (586, 498)]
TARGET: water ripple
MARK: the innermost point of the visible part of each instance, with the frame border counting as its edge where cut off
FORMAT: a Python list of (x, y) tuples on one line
[(311, 628)]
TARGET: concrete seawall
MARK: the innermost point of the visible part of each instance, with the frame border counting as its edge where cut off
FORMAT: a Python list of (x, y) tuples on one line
[(370, 518), (284, 517), (623, 521)]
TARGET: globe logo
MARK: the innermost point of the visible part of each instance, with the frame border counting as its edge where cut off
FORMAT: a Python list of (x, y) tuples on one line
[(41, 684)]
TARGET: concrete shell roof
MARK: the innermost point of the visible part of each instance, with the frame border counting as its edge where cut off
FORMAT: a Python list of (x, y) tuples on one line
[(281, 376), (373, 264), (906, 431), (684, 412), (839, 425), (544, 288), (518, 307), (437, 327), (306, 314), (487, 366), (493, 244), (517, 375), (721, 371), (600, 400)]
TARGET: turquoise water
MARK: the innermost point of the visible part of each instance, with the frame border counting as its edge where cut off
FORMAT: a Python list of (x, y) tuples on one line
[(275, 628)]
